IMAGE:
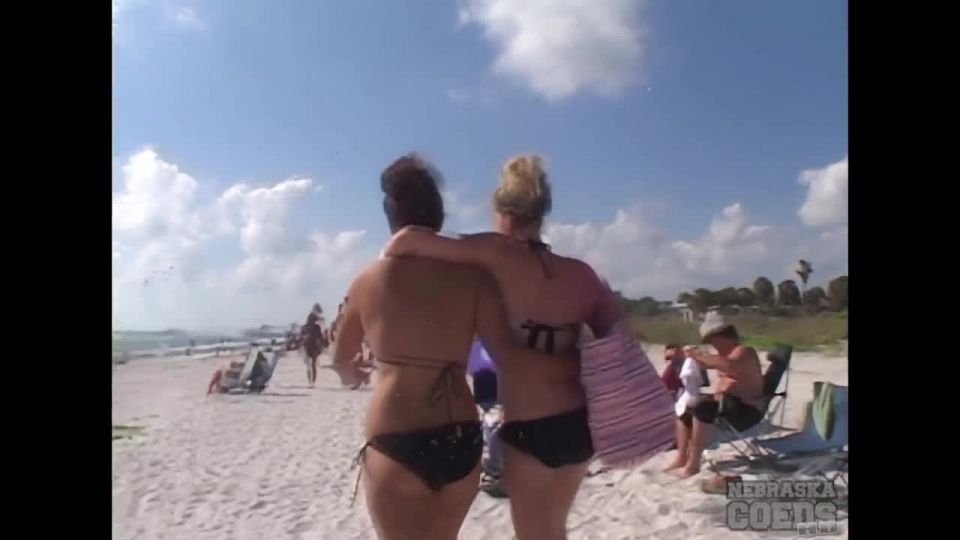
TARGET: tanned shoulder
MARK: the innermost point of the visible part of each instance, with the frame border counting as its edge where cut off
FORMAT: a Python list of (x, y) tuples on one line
[(743, 352)]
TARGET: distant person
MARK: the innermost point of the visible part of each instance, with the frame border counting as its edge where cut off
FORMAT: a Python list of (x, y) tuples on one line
[(293, 341), (225, 377), (214, 384), (739, 384), (313, 341)]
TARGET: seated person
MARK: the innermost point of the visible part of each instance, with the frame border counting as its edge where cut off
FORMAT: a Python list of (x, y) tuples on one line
[(225, 377), (671, 372), (739, 386), (691, 377)]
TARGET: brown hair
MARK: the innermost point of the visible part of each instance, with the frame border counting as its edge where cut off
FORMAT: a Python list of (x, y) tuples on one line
[(411, 195), (524, 192)]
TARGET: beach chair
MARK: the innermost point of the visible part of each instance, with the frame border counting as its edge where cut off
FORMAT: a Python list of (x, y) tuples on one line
[(254, 375), (263, 369), (815, 455), (228, 375), (248, 366), (774, 407)]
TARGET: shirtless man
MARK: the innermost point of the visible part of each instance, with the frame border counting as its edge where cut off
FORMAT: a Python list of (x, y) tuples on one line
[(739, 384)]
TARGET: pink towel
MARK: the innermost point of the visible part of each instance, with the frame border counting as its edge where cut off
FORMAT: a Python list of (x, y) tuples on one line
[(630, 411)]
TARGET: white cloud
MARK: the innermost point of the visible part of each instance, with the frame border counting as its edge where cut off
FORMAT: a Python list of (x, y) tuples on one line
[(188, 18), (561, 47), (248, 264), (638, 260), (460, 214), (264, 213), (119, 7), (157, 198), (329, 259), (826, 201), (728, 245), (171, 11)]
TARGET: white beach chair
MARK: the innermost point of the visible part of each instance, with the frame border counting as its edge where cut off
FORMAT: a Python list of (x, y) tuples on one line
[(248, 366), (263, 372)]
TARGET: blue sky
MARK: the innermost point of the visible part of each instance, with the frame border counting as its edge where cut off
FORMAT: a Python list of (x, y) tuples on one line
[(689, 143)]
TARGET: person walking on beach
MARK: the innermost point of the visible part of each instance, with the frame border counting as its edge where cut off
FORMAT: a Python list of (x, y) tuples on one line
[(421, 462), (548, 443), (313, 345)]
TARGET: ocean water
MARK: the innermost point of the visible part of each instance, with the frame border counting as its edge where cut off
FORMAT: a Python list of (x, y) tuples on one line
[(138, 344)]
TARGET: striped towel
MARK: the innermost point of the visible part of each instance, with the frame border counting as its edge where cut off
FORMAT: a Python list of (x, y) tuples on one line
[(630, 411)]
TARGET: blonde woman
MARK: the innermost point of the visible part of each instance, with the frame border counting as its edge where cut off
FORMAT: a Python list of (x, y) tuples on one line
[(548, 299)]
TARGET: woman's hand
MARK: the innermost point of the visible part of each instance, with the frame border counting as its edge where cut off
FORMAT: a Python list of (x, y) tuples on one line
[(403, 242), (351, 374)]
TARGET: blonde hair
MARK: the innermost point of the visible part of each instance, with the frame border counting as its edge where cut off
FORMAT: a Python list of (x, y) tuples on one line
[(524, 192)]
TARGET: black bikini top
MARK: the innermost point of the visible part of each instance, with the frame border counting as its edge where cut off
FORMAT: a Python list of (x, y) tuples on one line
[(534, 328)]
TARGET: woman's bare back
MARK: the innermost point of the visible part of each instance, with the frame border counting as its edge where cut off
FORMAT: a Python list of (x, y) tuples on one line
[(541, 290), (549, 299), (420, 317)]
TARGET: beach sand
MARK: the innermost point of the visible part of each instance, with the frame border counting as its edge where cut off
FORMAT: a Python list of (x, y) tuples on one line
[(278, 465)]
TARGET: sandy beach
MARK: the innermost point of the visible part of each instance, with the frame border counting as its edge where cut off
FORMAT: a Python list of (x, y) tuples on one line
[(278, 465)]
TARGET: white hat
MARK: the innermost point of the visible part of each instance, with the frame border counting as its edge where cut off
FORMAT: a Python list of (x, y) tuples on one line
[(712, 323)]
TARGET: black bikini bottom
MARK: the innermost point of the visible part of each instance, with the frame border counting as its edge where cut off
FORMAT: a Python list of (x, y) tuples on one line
[(438, 456), (558, 440)]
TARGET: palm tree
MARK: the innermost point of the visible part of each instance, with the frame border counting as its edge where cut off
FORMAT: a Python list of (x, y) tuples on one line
[(803, 269)]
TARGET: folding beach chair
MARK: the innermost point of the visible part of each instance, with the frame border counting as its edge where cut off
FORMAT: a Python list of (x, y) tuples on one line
[(263, 371), (817, 456), (774, 408), (248, 364)]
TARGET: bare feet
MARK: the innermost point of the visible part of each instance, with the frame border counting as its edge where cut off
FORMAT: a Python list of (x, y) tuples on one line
[(675, 464), (688, 471)]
